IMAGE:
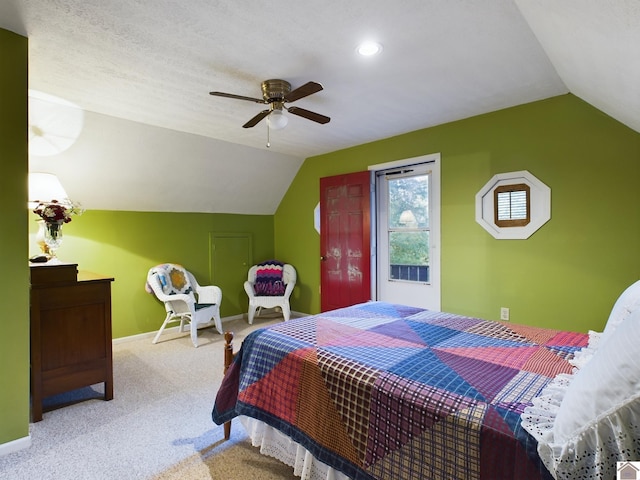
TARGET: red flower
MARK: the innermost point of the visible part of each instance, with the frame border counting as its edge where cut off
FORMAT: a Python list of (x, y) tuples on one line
[(53, 212)]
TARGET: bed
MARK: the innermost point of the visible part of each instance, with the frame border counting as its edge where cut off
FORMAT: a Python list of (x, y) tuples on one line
[(380, 391)]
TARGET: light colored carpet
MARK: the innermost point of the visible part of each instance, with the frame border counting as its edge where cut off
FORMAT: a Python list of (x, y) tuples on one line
[(158, 426)]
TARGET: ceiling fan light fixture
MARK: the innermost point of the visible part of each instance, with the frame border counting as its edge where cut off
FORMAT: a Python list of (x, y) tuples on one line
[(276, 93), (368, 49), (277, 120)]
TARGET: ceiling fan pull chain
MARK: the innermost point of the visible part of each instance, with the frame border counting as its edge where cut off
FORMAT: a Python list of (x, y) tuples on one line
[(268, 138)]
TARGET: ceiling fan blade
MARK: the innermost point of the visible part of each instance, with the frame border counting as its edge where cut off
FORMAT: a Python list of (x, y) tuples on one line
[(254, 121), (237, 97), (303, 91), (316, 117)]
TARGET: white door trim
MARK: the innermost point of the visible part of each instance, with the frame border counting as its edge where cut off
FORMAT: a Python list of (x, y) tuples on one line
[(419, 295)]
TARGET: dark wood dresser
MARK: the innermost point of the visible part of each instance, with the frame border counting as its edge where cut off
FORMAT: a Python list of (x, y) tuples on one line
[(70, 332)]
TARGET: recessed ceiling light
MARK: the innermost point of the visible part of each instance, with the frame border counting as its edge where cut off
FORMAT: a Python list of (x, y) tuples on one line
[(368, 49)]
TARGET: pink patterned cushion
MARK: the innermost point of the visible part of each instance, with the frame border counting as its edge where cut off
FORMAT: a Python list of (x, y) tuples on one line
[(269, 281)]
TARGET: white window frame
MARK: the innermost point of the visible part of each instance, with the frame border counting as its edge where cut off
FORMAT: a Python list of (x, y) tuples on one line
[(540, 205), (429, 295)]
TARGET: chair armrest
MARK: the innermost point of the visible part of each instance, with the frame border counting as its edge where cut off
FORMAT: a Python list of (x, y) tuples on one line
[(289, 289), (163, 297), (248, 287), (209, 294), (177, 303), (177, 297)]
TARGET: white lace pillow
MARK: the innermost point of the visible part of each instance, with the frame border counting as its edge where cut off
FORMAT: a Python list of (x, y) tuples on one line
[(608, 381), (582, 356), (627, 302), (598, 419)]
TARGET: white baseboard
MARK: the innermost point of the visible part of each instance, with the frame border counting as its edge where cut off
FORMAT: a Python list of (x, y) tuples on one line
[(175, 329), (202, 325), (234, 317), (15, 445)]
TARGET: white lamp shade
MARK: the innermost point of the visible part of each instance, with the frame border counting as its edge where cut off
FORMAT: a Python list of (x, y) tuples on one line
[(44, 187), (277, 120)]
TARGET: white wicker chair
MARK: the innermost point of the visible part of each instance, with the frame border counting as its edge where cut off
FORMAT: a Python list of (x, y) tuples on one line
[(258, 302), (184, 299)]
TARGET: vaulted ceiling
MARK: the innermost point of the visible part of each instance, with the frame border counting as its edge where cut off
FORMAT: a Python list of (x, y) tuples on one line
[(141, 71)]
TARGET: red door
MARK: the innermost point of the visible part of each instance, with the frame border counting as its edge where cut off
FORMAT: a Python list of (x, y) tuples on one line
[(345, 240)]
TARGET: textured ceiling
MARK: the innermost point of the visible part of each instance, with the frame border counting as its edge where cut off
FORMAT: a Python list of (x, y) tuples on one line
[(154, 62)]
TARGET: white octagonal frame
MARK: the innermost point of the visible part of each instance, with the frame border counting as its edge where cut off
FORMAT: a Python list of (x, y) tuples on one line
[(540, 205)]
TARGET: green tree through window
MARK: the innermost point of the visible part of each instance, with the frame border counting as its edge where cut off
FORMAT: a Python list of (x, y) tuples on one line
[(408, 227)]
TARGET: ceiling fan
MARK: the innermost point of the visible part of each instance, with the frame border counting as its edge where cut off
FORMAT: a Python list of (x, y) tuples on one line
[(276, 93)]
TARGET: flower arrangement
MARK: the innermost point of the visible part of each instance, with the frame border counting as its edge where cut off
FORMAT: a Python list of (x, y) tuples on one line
[(56, 212)]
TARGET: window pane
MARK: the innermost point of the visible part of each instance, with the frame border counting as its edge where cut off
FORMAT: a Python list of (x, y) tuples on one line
[(409, 256), (409, 202), (512, 205)]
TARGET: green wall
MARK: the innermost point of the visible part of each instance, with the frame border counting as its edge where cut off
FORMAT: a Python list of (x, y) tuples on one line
[(566, 275), (14, 291), (125, 245)]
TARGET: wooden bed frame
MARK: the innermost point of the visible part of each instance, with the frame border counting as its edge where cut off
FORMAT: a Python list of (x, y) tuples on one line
[(229, 355)]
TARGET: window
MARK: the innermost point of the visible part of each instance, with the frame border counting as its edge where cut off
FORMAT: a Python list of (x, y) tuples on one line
[(513, 205), (408, 226)]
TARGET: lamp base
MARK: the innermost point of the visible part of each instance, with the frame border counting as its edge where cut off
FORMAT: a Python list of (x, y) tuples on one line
[(40, 238)]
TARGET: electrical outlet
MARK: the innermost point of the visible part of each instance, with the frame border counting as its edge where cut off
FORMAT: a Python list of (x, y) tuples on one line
[(504, 313)]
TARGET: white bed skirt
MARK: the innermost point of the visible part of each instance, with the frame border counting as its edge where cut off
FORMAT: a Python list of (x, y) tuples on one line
[(274, 443)]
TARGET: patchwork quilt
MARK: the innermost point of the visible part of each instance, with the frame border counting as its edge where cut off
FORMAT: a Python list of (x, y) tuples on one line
[(384, 391)]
